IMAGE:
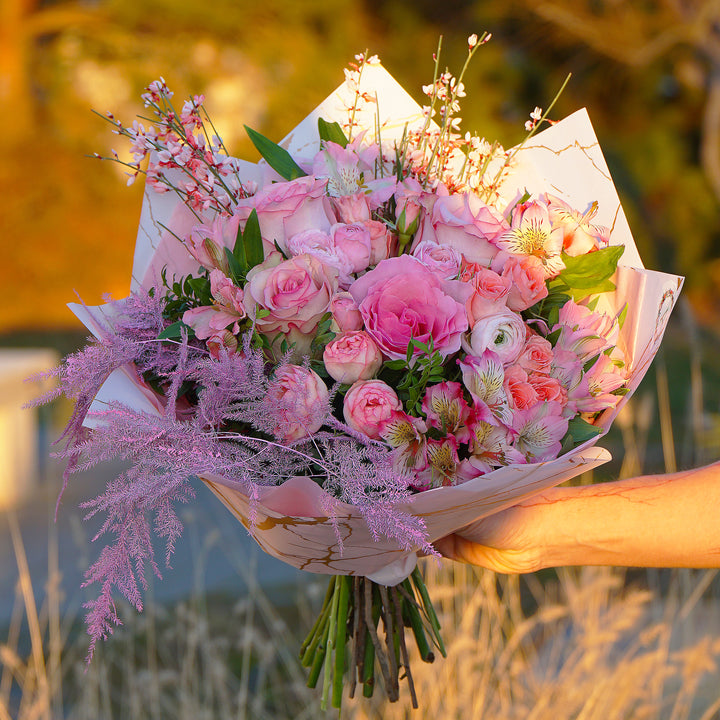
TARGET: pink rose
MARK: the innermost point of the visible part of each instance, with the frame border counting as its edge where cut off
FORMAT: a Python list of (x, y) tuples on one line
[(401, 299), (320, 245), (503, 333), (465, 223), (352, 356), (345, 312), (352, 241), (368, 405), (382, 242), (520, 391), (536, 356), (352, 208), (295, 293), (287, 208), (441, 259), (490, 292), (527, 281), (548, 388), (297, 402)]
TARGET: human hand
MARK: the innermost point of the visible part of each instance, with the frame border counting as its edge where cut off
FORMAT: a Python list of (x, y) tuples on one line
[(506, 542)]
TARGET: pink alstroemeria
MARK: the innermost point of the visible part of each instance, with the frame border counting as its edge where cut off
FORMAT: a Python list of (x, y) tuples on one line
[(540, 430), (445, 409), (584, 332), (345, 167), (579, 235), (442, 464), (207, 244), (406, 435), (603, 378), (532, 233), (491, 442), (484, 377), (208, 321)]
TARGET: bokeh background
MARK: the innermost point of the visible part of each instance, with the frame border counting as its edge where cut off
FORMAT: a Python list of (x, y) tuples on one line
[(218, 635), (648, 72)]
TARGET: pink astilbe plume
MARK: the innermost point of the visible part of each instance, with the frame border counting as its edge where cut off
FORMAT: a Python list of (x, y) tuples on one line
[(214, 418)]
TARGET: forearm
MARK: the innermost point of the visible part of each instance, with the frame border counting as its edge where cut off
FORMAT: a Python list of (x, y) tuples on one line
[(653, 521)]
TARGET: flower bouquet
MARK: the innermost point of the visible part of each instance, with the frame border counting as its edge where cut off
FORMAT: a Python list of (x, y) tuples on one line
[(378, 334)]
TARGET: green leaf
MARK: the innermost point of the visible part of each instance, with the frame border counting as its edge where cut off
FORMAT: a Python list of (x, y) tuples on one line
[(580, 430), (331, 132), (579, 294), (174, 331), (237, 270), (277, 158), (591, 270), (252, 240), (394, 364), (238, 252)]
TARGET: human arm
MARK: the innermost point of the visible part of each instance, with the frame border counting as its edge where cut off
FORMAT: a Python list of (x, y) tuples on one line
[(652, 521)]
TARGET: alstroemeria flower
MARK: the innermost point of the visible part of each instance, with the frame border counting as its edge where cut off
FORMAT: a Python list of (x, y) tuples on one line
[(484, 377), (540, 430), (579, 235), (445, 409), (532, 233), (442, 464)]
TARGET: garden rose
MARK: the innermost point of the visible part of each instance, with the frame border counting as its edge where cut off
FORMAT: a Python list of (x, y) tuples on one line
[(297, 401), (352, 356), (295, 293), (345, 312), (503, 333), (383, 243), (519, 390), (490, 292), (441, 259), (527, 281), (537, 355), (368, 405), (354, 243), (401, 299), (467, 224), (287, 208)]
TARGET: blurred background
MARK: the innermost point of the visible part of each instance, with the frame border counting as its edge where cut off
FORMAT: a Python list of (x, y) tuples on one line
[(214, 637)]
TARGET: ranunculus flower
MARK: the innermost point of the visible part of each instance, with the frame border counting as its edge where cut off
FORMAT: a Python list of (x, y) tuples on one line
[(490, 293), (368, 404), (345, 312), (503, 333), (287, 208), (441, 259), (352, 356), (295, 293), (297, 402), (352, 241), (467, 224), (527, 281), (401, 299)]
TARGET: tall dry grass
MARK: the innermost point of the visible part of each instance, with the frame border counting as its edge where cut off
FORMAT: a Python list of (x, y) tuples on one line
[(587, 644)]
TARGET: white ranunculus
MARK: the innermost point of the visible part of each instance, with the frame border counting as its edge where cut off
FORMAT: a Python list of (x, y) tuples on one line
[(502, 332)]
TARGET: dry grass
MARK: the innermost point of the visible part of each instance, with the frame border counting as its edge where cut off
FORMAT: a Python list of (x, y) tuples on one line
[(587, 644)]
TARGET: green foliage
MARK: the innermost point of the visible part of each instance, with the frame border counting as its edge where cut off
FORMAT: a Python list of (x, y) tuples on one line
[(276, 157), (422, 366), (332, 132), (588, 274)]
